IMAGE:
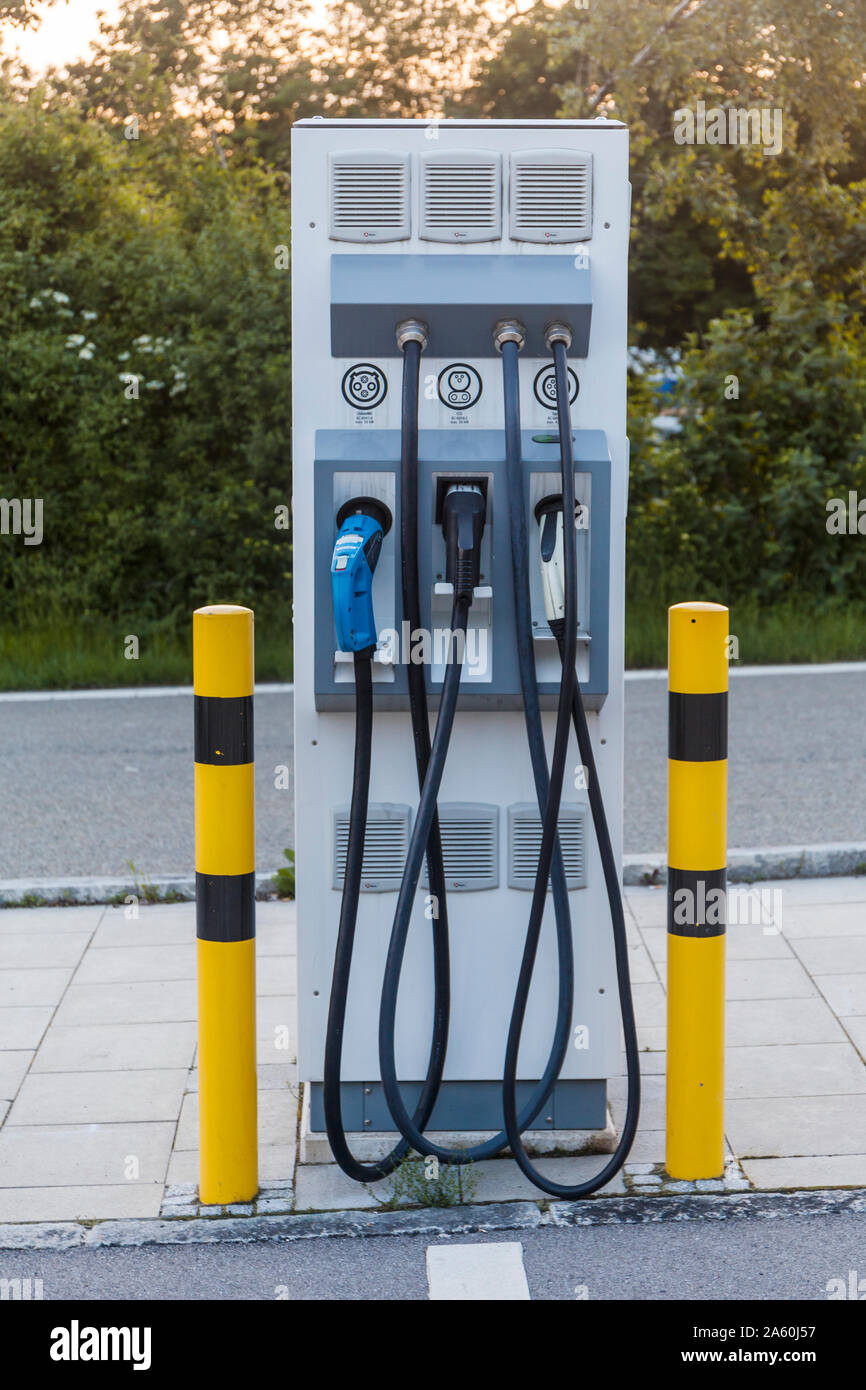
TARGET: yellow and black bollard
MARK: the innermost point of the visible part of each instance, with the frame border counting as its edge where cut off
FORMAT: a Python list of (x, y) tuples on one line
[(697, 872), (223, 672)]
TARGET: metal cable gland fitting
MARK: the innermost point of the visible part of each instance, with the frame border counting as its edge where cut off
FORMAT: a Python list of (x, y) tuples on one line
[(508, 331), (411, 331), (557, 332)]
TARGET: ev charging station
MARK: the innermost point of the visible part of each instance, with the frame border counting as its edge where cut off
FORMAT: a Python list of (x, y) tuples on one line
[(449, 278)]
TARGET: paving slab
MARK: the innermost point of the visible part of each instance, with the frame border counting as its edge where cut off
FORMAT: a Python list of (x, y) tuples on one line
[(97, 1097), (846, 994), (151, 927), (768, 979), (325, 1187), (822, 1069), (42, 950), (824, 1170), (500, 1179), (81, 1155), (797, 1126), (856, 1030), (648, 906), (832, 955), (741, 943), (773, 1022), (23, 1027), (167, 1001), (13, 1069), (31, 920), (641, 967), (102, 1203), (279, 977), (648, 1146), (650, 1005), (111, 965), (278, 1119), (652, 1101), (22, 988), (122, 1047), (837, 919)]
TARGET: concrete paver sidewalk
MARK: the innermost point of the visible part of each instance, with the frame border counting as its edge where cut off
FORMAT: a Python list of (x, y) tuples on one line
[(98, 1087)]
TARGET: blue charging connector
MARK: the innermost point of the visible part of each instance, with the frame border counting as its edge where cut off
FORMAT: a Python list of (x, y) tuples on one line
[(362, 525)]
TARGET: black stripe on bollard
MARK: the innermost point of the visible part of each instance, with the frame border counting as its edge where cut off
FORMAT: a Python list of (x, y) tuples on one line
[(223, 730), (697, 902), (225, 907), (697, 727)]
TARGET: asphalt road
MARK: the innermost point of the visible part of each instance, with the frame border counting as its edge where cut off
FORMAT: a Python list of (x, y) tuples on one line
[(783, 1258), (89, 784)]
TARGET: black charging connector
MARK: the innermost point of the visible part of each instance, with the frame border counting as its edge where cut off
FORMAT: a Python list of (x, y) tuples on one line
[(463, 515)]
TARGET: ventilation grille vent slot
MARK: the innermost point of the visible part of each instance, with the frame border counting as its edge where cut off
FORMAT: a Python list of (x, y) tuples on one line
[(461, 197), (470, 846), (524, 843), (385, 846), (551, 196), (369, 196)]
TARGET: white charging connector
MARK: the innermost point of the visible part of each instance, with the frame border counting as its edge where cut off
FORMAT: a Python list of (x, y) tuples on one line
[(552, 552)]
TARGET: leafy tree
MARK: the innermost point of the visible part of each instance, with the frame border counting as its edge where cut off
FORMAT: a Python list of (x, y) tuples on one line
[(145, 383), (774, 426)]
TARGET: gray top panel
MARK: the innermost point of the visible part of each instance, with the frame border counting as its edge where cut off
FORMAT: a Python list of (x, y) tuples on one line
[(459, 297)]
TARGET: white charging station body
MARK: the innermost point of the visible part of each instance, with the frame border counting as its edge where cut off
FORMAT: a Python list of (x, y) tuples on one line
[(458, 223)]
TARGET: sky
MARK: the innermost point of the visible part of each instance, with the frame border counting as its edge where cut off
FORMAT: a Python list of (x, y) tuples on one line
[(67, 28)]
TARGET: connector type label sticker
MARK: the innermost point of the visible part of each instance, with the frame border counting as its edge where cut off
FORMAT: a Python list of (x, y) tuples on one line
[(459, 386), (364, 386), (545, 387)]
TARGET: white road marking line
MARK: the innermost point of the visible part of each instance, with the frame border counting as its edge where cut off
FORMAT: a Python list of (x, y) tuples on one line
[(137, 692), (492, 1271), (155, 692), (827, 668)]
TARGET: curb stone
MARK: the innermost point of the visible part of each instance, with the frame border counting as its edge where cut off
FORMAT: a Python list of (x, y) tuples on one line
[(744, 866), (69, 892), (760, 865), (470, 1220)]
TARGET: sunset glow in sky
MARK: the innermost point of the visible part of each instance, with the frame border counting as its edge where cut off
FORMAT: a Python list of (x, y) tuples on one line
[(69, 26), (65, 33)]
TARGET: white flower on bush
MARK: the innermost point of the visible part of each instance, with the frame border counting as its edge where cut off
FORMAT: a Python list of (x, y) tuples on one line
[(76, 340), (123, 357), (89, 315), (59, 297), (87, 352), (154, 385)]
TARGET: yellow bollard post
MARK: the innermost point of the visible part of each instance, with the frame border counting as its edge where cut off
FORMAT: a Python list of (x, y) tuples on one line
[(697, 874), (223, 670)]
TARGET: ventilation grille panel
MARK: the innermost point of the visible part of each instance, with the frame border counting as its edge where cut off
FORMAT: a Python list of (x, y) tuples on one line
[(385, 846), (470, 846), (369, 196), (551, 196), (524, 843), (461, 196)]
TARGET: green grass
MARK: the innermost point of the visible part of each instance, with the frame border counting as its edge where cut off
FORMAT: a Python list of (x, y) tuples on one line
[(55, 654), (58, 654), (768, 636)]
